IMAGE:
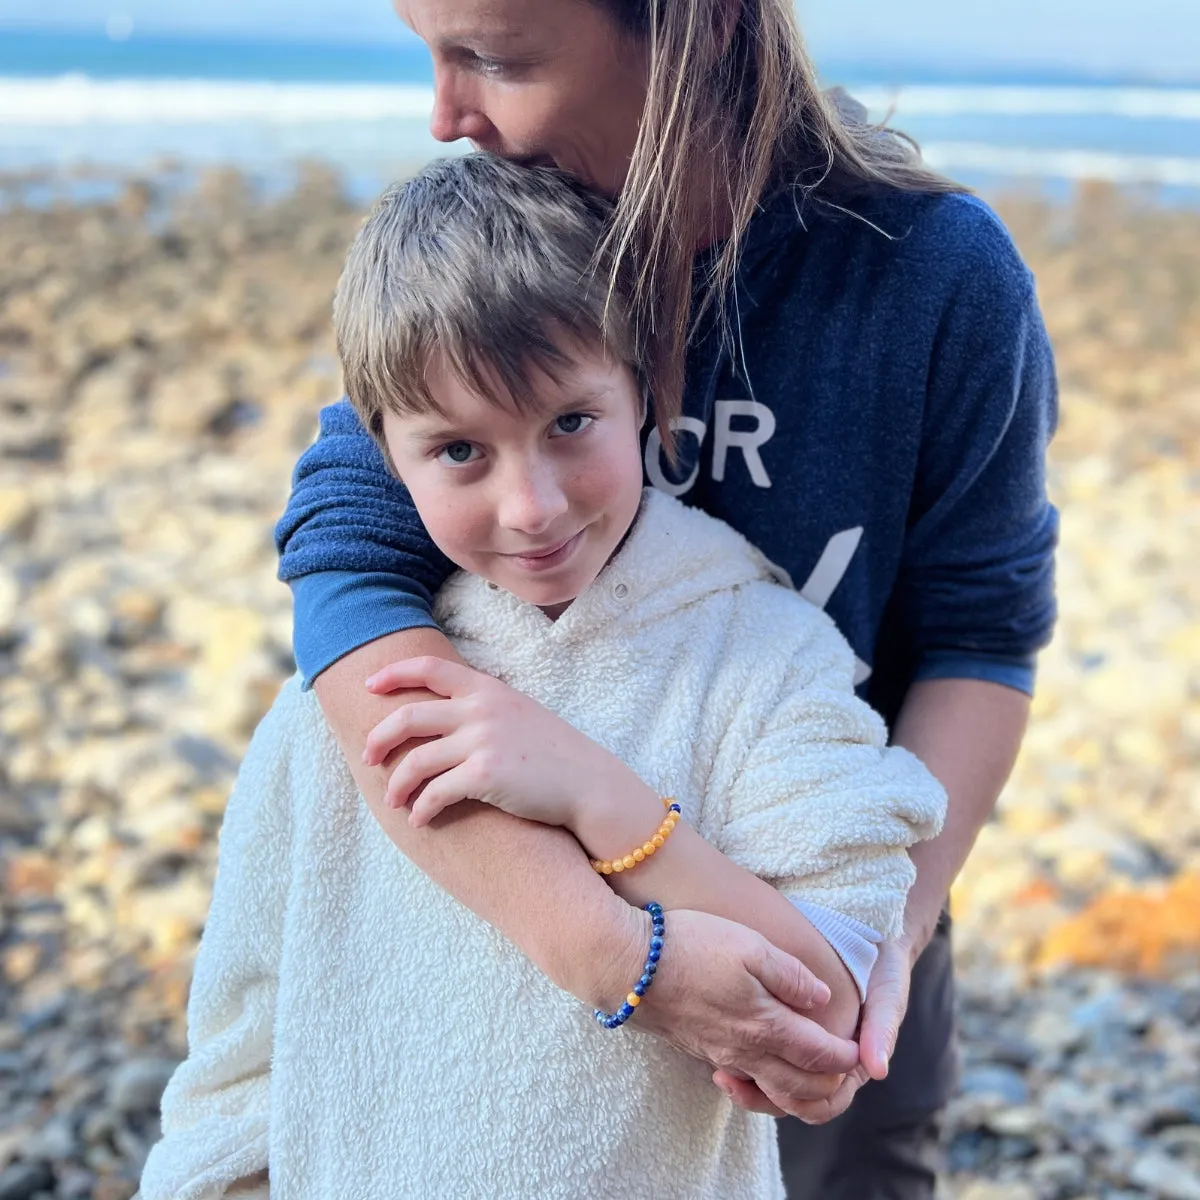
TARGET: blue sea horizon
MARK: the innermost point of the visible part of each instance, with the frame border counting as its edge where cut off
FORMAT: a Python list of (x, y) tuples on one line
[(72, 101)]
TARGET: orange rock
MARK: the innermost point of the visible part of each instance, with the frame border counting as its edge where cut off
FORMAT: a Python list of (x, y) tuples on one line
[(1040, 891), (31, 874), (1152, 931)]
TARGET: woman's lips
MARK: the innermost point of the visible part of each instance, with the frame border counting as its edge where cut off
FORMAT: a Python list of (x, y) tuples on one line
[(548, 559)]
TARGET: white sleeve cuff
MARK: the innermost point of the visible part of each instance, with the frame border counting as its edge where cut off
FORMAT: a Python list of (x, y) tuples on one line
[(857, 945)]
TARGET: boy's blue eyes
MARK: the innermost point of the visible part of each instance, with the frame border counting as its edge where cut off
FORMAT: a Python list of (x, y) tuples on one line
[(572, 422), (458, 454)]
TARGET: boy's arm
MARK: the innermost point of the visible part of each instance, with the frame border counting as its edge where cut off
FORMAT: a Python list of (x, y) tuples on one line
[(215, 1110)]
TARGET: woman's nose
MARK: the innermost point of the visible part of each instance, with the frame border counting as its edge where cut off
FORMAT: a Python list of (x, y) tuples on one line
[(455, 113)]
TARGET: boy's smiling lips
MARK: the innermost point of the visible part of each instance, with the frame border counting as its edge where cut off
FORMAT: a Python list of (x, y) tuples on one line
[(543, 560)]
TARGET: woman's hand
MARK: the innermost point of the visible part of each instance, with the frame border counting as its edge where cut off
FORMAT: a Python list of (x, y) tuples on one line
[(486, 742), (726, 995)]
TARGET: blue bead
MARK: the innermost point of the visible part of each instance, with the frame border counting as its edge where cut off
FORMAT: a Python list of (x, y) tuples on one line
[(651, 967), (657, 929), (653, 956), (675, 808), (644, 982), (639, 988), (626, 1010), (656, 943), (654, 907)]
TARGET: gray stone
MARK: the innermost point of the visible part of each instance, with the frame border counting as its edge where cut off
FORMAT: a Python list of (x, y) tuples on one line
[(1001, 1083), (55, 1141), (137, 1085), (1165, 1176), (23, 1180)]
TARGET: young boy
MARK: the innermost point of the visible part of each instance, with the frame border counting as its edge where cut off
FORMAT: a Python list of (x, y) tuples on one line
[(354, 1030)]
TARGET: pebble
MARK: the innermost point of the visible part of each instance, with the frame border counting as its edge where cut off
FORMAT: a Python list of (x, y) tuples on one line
[(137, 1086), (157, 382), (1165, 1177), (24, 1180)]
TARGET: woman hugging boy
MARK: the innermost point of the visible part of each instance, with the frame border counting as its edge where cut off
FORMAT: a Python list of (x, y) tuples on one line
[(635, 673)]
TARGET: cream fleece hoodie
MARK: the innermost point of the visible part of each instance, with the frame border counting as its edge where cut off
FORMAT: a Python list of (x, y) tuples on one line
[(357, 1030)]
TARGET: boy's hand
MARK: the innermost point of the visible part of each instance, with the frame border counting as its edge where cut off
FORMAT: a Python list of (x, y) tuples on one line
[(487, 742)]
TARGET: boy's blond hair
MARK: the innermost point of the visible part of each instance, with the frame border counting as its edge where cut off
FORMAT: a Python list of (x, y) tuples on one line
[(491, 266)]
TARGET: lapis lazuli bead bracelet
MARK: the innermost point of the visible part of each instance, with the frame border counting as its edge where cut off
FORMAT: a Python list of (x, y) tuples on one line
[(657, 924)]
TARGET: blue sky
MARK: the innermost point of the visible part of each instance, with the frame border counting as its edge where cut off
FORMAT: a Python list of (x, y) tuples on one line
[(1144, 37)]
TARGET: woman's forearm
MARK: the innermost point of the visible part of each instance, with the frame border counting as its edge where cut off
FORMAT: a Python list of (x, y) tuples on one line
[(516, 875), (688, 872), (967, 732)]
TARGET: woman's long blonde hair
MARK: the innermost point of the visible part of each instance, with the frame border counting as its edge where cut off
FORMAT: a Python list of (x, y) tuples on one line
[(732, 75)]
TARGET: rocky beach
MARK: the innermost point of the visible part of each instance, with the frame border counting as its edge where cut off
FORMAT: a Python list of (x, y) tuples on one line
[(163, 354)]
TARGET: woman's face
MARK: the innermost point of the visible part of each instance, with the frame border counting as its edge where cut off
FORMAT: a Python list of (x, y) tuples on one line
[(556, 82)]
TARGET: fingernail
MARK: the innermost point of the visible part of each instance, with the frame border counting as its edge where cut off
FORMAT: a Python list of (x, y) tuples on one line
[(884, 1061), (366, 756), (370, 681)]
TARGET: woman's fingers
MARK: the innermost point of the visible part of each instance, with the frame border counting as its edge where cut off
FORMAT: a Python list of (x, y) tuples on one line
[(818, 1112), (745, 1093), (788, 979), (426, 762), (420, 719), (429, 672)]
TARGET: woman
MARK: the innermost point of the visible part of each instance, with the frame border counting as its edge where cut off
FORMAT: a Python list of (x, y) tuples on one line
[(867, 396)]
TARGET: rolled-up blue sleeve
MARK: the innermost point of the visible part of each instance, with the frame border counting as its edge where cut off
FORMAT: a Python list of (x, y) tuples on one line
[(976, 586), (352, 547)]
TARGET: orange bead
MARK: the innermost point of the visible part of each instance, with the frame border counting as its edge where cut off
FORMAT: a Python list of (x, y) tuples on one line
[(606, 867), (648, 848), (639, 854), (629, 861), (633, 999), (657, 841), (618, 866)]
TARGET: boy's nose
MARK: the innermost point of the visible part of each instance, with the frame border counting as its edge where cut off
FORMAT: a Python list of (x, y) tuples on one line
[(531, 503)]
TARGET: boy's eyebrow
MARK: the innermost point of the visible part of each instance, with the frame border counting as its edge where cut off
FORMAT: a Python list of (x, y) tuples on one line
[(436, 433)]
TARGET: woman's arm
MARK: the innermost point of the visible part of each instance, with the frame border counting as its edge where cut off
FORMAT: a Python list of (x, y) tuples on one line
[(688, 872)]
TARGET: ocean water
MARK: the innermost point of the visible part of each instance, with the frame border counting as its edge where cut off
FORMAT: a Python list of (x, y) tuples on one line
[(74, 103)]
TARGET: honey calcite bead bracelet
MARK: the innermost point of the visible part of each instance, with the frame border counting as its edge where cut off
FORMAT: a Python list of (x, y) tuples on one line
[(603, 866)]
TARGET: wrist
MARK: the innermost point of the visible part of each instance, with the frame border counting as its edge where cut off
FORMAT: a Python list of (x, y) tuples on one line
[(614, 812), (615, 958), (919, 927)]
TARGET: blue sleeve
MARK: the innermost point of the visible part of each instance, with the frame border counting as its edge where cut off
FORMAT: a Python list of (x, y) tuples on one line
[(976, 584), (352, 547)]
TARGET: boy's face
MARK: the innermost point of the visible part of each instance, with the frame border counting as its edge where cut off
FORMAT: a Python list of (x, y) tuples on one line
[(536, 502)]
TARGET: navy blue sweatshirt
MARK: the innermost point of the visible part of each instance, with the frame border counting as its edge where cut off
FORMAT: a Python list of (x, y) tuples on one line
[(878, 429)]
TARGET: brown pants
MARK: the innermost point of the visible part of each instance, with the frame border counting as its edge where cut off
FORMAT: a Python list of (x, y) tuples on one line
[(886, 1146)]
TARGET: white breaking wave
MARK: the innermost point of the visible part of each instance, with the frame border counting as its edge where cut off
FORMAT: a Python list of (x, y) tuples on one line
[(1017, 161), (78, 100), (941, 100)]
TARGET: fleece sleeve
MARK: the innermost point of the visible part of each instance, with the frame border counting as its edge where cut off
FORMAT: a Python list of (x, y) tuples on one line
[(819, 805), (215, 1110), (352, 547), (974, 597)]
